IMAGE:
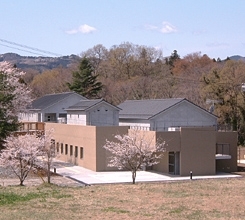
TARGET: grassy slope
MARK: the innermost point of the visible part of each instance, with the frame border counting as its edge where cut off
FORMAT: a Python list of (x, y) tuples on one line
[(198, 199)]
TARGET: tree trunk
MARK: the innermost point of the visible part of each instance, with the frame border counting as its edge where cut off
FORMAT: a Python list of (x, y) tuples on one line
[(49, 174), (133, 175)]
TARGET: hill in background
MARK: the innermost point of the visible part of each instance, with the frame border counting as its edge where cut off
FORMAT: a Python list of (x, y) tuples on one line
[(39, 63), (237, 57)]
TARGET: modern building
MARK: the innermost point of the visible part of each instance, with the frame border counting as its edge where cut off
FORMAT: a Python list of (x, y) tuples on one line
[(164, 114), (95, 112), (203, 150), (51, 107), (189, 132)]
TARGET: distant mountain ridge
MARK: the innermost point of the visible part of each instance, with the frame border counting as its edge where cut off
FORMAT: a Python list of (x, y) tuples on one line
[(237, 57), (39, 63)]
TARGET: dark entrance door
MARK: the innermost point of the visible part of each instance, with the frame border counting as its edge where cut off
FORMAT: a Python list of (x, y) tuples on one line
[(174, 163)]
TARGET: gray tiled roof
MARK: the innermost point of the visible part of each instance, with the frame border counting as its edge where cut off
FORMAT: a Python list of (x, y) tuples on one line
[(145, 109), (86, 104), (50, 99)]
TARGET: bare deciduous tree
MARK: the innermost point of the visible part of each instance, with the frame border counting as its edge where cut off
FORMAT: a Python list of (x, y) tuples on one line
[(51, 81), (134, 152), (20, 154)]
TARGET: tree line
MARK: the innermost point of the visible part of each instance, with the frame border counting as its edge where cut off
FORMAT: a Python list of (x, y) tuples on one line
[(129, 71)]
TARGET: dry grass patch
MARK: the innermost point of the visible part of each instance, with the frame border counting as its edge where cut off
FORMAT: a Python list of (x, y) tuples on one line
[(198, 199)]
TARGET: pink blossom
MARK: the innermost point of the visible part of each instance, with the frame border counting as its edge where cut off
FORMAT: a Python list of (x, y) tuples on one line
[(20, 154), (11, 85), (134, 152)]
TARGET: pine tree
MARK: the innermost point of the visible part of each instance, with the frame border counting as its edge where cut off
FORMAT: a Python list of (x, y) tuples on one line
[(174, 56), (84, 81)]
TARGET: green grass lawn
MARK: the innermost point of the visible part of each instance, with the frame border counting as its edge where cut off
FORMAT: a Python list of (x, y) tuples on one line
[(196, 199)]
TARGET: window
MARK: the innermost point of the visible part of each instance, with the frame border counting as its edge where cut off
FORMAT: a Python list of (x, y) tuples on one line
[(71, 150), (53, 143), (61, 148), (66, 149), (57, 147), (76, 151), (81, 152), (223, 148)]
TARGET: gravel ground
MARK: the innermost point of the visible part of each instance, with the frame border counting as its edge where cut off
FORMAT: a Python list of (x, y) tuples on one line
[(7, 178)]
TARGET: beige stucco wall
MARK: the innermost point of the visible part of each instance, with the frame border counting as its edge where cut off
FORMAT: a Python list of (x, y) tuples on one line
[(90, 138), (171, 139), (172, 143), (76, 135), (103, 134), (198, 148)]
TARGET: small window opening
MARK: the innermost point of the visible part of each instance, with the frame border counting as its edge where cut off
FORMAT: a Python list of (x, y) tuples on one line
[(71, 150), (81, 152)]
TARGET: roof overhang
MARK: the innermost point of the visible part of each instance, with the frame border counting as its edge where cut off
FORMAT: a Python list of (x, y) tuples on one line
[(87, 108), (136, 117), (33, 110), (181, 101), (222, 157)]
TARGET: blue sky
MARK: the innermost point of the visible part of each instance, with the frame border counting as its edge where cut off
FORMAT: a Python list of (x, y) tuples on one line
[(212, 27)]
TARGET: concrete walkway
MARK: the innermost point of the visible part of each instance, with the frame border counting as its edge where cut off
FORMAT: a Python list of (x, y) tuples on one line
[(90, 177)]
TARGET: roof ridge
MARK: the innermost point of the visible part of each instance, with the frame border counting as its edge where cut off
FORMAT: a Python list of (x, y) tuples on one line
[(153, 99), (60, 93), (91, 100)]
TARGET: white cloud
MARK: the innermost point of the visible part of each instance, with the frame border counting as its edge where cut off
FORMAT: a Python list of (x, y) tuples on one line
[(165, 28), (84, 29)]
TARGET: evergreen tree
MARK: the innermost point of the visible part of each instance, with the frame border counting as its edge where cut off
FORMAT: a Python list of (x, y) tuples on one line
[(8, 123), (84, 81), (174, 56), (219, 60), (172, 59), (228, 58)]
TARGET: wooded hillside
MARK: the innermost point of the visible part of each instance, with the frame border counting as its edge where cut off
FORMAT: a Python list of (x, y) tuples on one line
[(129, 71)]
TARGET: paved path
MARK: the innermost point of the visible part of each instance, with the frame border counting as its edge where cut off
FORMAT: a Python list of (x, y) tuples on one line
[(89, 177)]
